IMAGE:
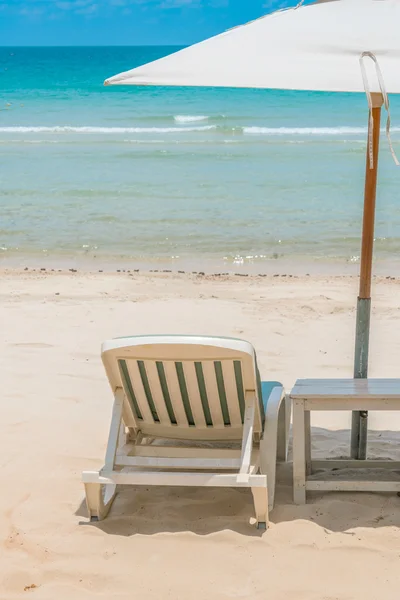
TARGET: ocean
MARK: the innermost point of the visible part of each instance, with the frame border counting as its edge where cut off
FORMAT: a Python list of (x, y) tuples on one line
[(207, 178)]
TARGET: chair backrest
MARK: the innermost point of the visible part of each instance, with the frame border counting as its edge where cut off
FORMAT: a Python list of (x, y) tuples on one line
[(184, 387)]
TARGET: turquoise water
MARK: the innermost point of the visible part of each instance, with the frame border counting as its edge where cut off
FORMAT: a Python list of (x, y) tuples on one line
[(154, 175)]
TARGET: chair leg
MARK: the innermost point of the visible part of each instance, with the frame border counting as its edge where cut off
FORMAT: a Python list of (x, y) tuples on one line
[(284, 416), (274, 442), (268, 447), (260, 497), (307, 416), (99, 499)]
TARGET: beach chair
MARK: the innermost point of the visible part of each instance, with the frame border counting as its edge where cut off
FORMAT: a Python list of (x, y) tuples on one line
[(199, 392)]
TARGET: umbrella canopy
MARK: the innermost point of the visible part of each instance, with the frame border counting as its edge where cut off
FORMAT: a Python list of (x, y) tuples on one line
[(319, 47), (313, 47)]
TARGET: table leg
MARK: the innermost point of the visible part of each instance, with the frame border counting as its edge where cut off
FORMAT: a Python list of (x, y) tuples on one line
[(299, 453), (307, 429)]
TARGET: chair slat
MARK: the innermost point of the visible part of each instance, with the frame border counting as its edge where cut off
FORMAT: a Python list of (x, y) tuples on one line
[(156, 392), (147, 389), (164, 387), (184, 393), (175, 393), (203, 393), (239, 385), (127, 385), (222, 393), (210, 380), (138, 388), (232, 398), (194, 393)]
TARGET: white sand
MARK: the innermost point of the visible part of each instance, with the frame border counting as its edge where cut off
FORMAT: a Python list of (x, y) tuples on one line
[(182, 543)]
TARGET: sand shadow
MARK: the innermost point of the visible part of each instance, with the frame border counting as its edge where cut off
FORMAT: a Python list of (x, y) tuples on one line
[(203, 511), (343, 511)]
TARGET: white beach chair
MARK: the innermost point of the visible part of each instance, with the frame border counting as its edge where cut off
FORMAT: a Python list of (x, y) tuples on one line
[(190, 389)]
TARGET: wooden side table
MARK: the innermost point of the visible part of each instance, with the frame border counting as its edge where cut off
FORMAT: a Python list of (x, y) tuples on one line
[(338, 394)]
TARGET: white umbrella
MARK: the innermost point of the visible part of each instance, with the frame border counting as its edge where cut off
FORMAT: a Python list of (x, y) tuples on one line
[(332, 45), (314, 47)]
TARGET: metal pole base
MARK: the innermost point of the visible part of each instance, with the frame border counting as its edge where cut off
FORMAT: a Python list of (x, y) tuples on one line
[(359, 424)]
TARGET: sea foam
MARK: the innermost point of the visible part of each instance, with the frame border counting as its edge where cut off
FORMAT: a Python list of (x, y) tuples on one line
[(190, 118), (308, 130), (106, 130)]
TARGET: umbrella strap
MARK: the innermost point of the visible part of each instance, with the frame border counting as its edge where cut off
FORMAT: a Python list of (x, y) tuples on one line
[(385, 103), (299, 4)]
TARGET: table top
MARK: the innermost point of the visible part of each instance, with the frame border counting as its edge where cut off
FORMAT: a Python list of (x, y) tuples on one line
[(340, 388)]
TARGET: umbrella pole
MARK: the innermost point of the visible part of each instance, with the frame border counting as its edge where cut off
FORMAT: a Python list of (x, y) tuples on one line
[(359, 427)]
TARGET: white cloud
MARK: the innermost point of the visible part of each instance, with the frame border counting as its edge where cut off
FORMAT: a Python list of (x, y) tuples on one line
[(180, 3), (87, 10), (275, 5), (56, 8), (31, 11), (73, 4)]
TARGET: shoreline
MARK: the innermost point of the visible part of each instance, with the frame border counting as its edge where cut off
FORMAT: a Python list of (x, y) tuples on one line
[(289, 268), (76, 273)]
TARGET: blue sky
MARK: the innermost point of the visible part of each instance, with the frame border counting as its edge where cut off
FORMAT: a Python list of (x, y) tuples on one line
[(123, 22)]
